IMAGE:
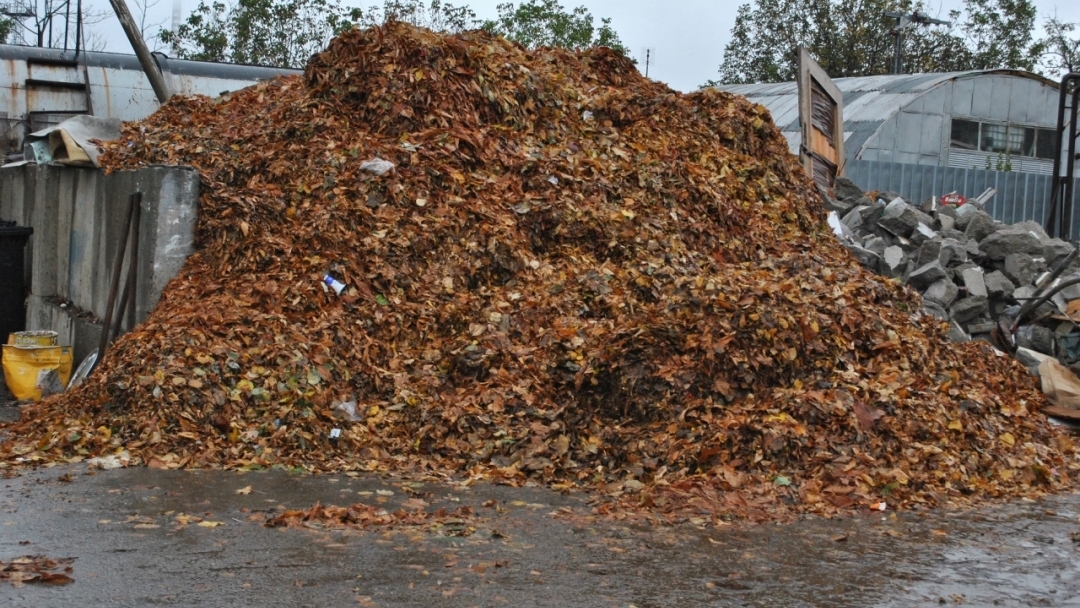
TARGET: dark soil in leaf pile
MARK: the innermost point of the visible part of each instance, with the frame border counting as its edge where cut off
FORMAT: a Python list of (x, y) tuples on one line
[(574, 275)]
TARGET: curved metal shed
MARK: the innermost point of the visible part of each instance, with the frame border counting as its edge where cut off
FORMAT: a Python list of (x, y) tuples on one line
[(909, 118)]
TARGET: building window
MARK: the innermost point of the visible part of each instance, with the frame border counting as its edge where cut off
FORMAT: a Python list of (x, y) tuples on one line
[(965, 134), (1046, 145), (999, 138)]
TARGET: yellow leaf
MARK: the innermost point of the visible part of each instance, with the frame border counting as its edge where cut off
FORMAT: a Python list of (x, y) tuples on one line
[(956, 426), (211, 524), (1007, 439), (245, 227), (244, 490)]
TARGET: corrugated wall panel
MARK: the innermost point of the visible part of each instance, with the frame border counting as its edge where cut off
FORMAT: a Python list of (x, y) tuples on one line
[(1020, 196)]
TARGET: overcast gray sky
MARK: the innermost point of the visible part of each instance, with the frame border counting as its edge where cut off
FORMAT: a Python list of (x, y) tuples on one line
[(687, 37)]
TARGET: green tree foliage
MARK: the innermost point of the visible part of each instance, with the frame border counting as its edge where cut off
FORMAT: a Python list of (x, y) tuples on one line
[(285, 33), (853, 38), (435, 15), (1000, 34), (7, 28), (537, 23), (1060, 48), (281, 33)]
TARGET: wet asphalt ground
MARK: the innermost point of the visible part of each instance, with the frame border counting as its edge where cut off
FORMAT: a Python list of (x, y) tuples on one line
[(125, 530)]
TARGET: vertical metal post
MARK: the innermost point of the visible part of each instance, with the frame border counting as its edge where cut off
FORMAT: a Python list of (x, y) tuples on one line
[(153, 74), (1056, 223), (78, 29), (117, 267), (126, 310), (1067, 200)]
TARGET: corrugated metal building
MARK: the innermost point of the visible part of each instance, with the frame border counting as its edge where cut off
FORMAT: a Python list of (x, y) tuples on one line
[(968, 120), (42, 86)]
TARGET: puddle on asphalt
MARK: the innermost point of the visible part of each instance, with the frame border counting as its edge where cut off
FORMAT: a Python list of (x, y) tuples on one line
[(1015, 554)]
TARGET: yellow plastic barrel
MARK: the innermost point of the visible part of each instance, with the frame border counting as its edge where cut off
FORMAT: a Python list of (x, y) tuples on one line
[(31, 339), (27, 369)]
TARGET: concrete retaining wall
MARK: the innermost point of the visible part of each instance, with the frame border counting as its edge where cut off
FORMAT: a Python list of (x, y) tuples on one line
[(78, 217)]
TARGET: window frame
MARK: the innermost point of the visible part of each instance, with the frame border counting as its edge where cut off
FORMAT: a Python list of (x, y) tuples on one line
[(1013, 130)]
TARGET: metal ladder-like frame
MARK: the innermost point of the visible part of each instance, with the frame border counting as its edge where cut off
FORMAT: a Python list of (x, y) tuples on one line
[(1059, 221), (37, 83)]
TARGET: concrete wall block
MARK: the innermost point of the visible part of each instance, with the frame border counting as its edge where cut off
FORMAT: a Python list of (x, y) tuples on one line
[(118, 187), (171, 233), (80, 334), (67, 184), (43, 315), (43, 218), (83, 267), (79, 216)]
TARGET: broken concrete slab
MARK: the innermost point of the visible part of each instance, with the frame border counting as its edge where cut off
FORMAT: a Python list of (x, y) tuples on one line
[(1010, 240), (921, 234), (1072, 292), (998, 285), (1035, 337), (969, 308), (963, 216), (956, 235), (926, 275), (957, 334), (982, 327), (902, 219), (893, 258), (1030, 358), (1056, 250), (875, 244), (935, 310), (929, 251), (974, 282), (943, 292), (1022, 269), (953, 252), (1034, 228), (1024, 293), (863, 216), (867, 259), (979, 225), (844, 188)]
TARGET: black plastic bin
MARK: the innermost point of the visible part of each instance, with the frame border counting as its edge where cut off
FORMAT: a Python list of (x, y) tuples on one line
[(12, 272)]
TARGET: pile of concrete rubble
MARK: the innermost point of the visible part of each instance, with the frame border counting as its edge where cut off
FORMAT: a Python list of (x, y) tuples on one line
[(1008, 284)]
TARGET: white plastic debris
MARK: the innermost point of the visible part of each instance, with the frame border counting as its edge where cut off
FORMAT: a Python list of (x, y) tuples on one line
[(113, 461), (334, 284), (377, 166), (335, 433), (348, 411), (839, 228)]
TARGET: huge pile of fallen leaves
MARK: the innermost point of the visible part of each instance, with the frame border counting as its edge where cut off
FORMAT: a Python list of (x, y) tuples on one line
[(573, 274)]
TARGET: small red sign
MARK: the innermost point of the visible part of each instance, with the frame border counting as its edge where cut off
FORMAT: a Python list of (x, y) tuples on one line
[(953, 198)]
